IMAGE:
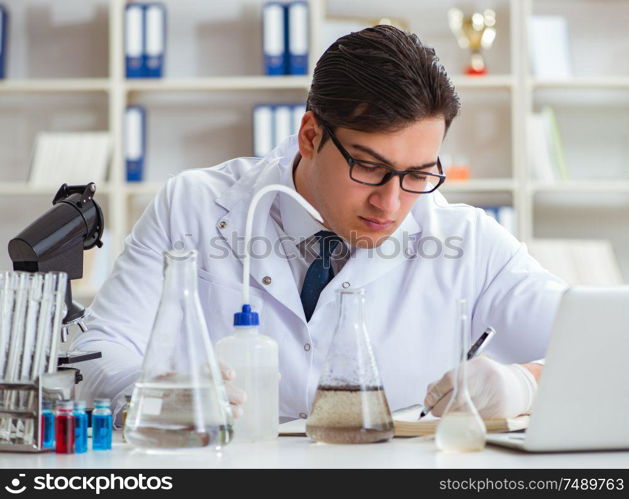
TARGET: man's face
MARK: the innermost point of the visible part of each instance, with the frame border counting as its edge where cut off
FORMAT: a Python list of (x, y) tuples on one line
[(366, 215)]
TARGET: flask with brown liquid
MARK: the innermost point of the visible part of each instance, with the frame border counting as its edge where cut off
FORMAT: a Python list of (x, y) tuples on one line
[(350, 406)]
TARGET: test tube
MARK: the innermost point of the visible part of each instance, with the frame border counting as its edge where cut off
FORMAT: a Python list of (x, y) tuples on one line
[(80, 417), (47, 425), (102, 424), (12, 428), (64, 427)]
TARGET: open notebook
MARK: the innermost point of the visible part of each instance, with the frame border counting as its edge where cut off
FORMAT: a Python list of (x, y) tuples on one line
[(406, 424)]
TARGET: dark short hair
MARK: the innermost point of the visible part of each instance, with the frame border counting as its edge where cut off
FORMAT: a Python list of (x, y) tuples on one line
[(380, 79)]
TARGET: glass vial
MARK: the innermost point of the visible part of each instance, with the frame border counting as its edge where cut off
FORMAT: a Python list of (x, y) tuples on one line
[(350, 406), (179, 401), (64, 427), (47, 425), (125, 412), (254, 358), (461, 428), (80, 427), (102, 425)]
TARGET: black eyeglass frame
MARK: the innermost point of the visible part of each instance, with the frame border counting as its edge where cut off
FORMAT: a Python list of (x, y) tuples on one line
[(391, 172)]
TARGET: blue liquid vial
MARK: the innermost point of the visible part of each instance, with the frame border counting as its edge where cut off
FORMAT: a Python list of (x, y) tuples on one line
[(47, 425), (80, 427), (102, 425)]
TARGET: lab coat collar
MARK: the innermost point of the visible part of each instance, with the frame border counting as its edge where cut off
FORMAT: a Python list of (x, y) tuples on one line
[(236, 201), (296, 222)]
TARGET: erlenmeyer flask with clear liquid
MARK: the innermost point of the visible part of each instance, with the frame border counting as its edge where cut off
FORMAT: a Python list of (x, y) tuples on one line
[(350, 406), (461, 428), (179, 401)]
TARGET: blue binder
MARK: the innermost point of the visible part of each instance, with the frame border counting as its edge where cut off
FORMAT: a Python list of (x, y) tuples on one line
[(4, 37), (274, 34), (298, 34), (154, 39), (134, 40), (135, 142)]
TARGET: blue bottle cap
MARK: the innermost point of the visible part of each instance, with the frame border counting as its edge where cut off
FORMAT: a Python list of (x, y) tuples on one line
[(246, 317), (102, 402)]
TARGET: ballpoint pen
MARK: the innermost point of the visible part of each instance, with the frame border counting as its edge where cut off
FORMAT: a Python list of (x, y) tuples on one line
[(474, 351)]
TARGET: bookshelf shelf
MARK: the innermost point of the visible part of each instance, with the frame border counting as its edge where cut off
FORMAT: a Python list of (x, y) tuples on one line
[(483, 82), (583, 82), (26, 189), (55, 85), (219, 83), (143, 188), (580, 186), (479, 185)]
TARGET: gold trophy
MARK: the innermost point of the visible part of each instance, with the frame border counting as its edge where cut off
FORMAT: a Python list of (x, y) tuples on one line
[(475, 32)]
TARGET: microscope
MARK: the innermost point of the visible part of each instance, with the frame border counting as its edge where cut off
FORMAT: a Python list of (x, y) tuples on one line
[(56, 242)]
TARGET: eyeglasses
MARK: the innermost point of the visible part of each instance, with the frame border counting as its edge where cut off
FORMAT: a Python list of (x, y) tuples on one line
[(418, 180)]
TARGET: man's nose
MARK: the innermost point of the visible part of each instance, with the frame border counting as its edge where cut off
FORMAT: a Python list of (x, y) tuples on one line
[(387, 197)]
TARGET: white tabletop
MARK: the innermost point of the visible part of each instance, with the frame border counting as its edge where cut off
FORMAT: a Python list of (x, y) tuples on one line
[(300, 452)]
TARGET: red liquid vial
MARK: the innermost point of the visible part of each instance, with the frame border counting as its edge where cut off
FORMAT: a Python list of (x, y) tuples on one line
[(64, 427)]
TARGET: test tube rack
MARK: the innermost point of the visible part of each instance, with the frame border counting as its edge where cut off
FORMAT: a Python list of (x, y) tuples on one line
[(21, 427)]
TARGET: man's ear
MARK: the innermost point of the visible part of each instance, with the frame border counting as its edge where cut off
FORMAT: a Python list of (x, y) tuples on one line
[(309, 136)]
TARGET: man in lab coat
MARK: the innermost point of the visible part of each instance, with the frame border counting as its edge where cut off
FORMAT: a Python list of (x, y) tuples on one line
[(367, 158)]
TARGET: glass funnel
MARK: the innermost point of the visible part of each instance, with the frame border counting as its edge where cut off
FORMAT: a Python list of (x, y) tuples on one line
[(350, 406), (179, 400), (461, 428)]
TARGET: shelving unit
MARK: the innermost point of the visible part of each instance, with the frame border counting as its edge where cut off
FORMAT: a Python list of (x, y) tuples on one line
[(490, 131)]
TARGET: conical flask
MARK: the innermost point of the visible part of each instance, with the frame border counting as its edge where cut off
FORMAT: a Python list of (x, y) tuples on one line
[(461, 428), (179, 401), (350, 406)]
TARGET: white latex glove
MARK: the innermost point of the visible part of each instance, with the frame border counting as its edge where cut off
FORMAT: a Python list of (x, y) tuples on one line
[(236, 396), (497, 390)]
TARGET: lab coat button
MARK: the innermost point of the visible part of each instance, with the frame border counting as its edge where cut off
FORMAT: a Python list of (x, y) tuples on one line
[(303, 415), (307, 347), (346, 284), (222, 225), (267, 280)]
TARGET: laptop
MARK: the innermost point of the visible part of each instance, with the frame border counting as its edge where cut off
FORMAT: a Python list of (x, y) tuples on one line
[(582, 402)]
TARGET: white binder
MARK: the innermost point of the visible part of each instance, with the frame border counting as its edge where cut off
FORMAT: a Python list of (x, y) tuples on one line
[(135, 142), (274, 38), (262, 130), (282, 123), (298, 38), (297, 114), (134, 40), (155, 39)]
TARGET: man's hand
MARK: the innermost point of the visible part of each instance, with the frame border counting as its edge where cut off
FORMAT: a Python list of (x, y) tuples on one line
[(497, 390), (236, 396)]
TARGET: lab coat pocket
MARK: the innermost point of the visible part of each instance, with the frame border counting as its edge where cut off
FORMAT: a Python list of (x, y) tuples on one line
[(220, 300)]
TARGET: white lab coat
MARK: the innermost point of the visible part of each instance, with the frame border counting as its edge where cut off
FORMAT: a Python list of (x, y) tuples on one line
[(410, 294)]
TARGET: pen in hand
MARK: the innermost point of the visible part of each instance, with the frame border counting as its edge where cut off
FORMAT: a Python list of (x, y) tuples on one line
[(474, 351)]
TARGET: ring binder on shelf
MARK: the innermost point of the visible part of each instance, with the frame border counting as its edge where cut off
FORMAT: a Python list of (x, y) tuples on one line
[(262, 130), (4, 37), (155, 39), (134, 40), (274, 38), (282, 126), (297, 38), (135, 142)]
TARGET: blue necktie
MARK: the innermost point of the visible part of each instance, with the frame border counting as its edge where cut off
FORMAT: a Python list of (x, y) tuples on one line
[(319, 273)]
